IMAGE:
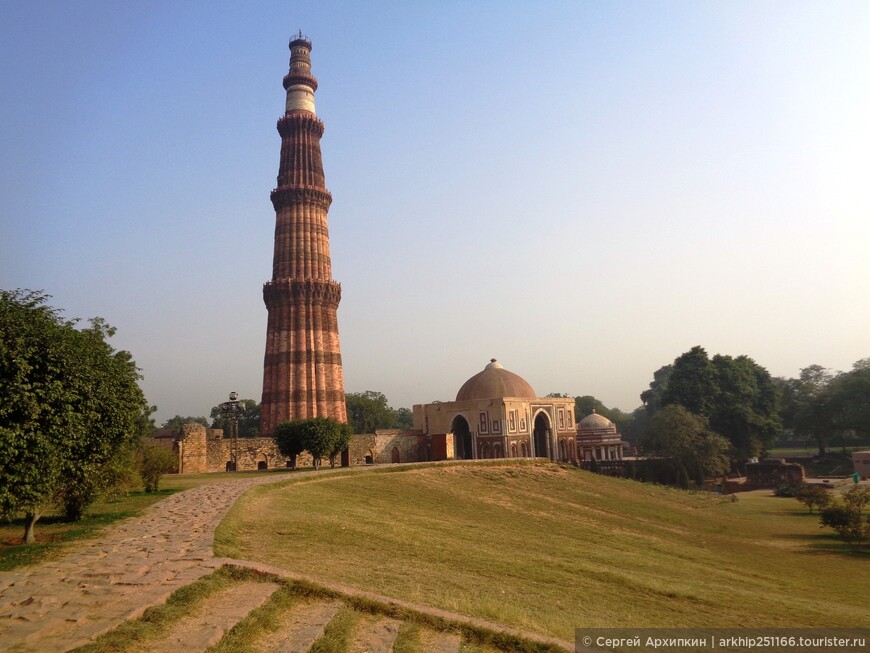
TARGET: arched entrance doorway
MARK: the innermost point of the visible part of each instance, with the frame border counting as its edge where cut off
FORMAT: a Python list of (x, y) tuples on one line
[(542, 436), (462, 438), (262, 462)]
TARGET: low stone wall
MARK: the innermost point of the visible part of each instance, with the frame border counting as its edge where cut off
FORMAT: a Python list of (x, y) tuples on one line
[(201, 450), (772, 473)]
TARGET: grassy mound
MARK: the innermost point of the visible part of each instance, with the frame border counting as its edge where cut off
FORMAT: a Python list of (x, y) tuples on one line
[(549, 549)]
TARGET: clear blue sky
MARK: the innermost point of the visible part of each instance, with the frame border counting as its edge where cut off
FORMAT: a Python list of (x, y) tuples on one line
[(583, 190)]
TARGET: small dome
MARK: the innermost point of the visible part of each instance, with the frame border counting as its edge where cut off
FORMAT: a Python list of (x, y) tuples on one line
[(495, 382), (595, 422)]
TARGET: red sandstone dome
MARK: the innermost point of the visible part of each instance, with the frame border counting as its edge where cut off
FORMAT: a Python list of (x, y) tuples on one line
[(495, 382)]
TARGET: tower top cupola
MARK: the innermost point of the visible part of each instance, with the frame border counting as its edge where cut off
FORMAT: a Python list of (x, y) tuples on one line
[(299, 83)]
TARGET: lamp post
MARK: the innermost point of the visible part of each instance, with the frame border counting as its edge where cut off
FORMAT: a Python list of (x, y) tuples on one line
[(230, 410)]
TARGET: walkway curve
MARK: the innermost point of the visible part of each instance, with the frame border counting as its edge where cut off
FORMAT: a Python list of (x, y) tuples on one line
[(100, 583)]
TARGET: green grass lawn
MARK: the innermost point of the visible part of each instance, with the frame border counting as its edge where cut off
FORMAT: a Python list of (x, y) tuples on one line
[(549, 549)]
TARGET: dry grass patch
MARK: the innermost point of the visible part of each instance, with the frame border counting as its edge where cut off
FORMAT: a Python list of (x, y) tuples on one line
[(549, 549)]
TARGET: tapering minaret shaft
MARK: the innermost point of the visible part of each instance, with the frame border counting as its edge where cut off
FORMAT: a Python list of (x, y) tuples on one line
[(302, 374)]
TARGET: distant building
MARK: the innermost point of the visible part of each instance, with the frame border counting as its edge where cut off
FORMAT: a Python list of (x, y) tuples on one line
[(598, 439), (497, 414), (861, 462)]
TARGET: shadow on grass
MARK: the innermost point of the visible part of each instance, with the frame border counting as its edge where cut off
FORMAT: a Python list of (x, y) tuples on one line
[(825, 543)]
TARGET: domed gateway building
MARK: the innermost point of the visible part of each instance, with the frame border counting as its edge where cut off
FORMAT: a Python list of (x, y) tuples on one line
[(497, 414)]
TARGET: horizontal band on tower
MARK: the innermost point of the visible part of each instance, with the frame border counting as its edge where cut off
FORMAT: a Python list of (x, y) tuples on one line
[(309, 396), (288, 195), (298, 121), (294, 357), (295, 78), (306, 290)]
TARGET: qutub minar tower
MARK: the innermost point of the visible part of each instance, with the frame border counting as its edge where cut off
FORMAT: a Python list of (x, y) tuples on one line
[(302, 375)]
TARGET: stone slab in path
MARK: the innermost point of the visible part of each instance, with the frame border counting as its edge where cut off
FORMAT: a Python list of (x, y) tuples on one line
[(211, 620), (299, 628), (375, 635), (434, 642)]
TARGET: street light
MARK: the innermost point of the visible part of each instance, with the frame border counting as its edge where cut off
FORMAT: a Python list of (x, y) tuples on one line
[(230, 411)]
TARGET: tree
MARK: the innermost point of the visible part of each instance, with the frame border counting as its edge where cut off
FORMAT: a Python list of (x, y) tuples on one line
[(745, 405), (676, 433), (249, 419), (736, 395), (178, 421), (404, 418), (288, 437), (584, 405), (847, 518), (71, 404), (692, 383), (155, 461), (652, 398), (340, 442), (367, 411), (813, 496), (805, 405), (848, 397), (319, 436)]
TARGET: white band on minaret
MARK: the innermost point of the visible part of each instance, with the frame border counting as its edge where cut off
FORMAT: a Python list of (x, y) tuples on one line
[(300, 98), (300, 95)]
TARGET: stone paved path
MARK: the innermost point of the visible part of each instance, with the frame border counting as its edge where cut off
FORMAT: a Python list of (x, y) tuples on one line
[(213, 618), (58, 605)]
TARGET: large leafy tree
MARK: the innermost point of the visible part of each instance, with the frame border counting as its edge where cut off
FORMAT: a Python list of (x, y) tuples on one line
[(692, 383), (289, 438), (676, 433), (367, 411), (320, 436), (249, 419), (737, 397), (652, 397), (848, 400), (71, 404), (805, 405), (745, 405), (404, 418)]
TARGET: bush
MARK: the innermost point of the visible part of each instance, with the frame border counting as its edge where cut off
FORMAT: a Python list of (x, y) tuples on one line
[(847, 518), (813, 496), (786, 491), (155, 462)]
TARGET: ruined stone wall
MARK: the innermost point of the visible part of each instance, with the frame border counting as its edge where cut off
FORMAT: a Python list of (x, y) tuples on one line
[(202, 450), (410, 447), (772, 473), (192, 454)]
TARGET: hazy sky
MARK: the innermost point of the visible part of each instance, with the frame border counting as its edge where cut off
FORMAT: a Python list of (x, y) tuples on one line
[(583, 190)]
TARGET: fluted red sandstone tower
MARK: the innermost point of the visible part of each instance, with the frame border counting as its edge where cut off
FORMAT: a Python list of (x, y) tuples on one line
[(302, 374)]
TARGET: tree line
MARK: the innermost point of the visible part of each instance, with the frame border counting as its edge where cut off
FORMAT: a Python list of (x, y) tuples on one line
[(366, 412)]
